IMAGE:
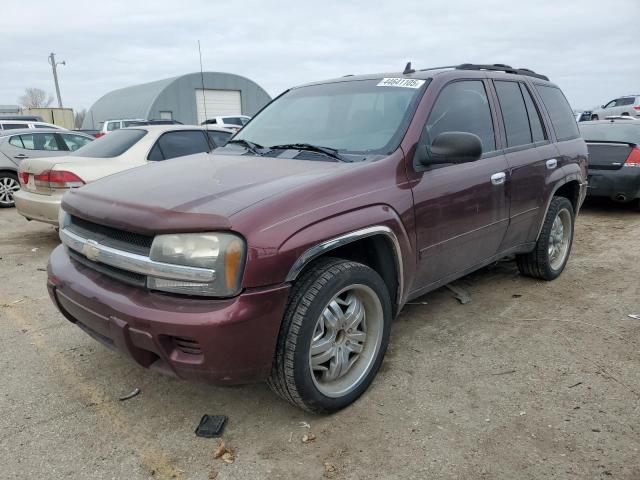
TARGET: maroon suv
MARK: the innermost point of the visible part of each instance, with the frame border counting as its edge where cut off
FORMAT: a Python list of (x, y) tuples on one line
[(285, 255)]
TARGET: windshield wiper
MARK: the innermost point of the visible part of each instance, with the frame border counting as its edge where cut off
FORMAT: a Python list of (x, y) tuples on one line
[(252, 147), (329, 152)]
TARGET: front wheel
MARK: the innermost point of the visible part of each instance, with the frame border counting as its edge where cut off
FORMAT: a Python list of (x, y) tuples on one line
[(551, 253), (8, 186), (333, 336)]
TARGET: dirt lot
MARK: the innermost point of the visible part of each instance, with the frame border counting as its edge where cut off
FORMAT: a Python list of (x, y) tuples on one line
[(529, 380)]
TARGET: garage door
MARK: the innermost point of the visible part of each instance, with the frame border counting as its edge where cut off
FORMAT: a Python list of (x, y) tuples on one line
[(217, 102)]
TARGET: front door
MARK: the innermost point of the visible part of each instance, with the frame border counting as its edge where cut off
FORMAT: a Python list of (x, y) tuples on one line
[(461, 211)]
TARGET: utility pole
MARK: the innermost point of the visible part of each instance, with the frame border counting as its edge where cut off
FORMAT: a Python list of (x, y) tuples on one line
[(54, 64)]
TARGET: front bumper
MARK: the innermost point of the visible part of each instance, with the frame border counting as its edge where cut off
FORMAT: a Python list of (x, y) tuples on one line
[(227, 341), (615, 184), (35, 206)]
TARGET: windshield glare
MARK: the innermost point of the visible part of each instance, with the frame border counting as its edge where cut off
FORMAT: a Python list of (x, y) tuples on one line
[(111, 145), (353, 117)]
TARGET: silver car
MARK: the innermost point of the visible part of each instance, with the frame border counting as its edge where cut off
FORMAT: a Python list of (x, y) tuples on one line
[(629, 105), (16, 145)]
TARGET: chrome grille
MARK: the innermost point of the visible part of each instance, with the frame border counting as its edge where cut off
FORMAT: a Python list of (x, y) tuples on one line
[(112, 237), (132, 278)]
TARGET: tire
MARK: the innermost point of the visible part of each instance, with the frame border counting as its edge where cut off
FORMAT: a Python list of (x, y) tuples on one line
[(545, 261), (313, 295), (8, 186), (594, 117)]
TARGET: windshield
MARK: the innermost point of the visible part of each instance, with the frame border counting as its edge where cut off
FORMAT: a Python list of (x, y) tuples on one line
[(353, 117), (112, 145), (611, 132)]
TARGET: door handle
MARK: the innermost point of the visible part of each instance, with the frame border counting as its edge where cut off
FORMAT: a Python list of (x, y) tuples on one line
[(498, 178), (552, 163), (20, 156)]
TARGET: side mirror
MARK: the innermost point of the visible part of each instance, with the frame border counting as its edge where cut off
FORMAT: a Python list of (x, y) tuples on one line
[(450, 147)]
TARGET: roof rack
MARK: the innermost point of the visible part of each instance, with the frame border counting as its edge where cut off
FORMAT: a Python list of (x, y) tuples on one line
[(500, 67)]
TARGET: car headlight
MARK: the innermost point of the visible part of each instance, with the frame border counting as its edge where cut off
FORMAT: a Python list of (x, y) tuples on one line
[(224, 253)]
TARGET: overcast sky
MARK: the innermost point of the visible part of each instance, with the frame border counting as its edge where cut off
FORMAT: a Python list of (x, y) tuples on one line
[(589, 47)]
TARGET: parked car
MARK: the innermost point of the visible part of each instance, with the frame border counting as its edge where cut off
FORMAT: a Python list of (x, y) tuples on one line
[(18, 124), (284, 255), (614, 159), (583, 116), (234, 122), (111, 125), (627, 105), (45, 180), (17, 145)]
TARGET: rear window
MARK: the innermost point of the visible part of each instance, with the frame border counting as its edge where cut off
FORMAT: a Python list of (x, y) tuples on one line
[(232, 121), (112, 145), (562, 119), (610, 132)]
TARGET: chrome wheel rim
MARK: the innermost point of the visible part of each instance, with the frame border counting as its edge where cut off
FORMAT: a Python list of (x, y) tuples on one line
[(8, 186), (559, 239), (346, 340)]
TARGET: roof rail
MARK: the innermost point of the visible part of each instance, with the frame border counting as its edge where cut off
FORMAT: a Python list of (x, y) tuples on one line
[(500, 67)]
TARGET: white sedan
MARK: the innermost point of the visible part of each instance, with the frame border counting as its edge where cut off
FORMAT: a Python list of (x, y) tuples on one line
[(43, 181)]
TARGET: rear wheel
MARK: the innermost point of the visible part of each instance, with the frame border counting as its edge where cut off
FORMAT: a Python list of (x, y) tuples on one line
[(8, 186), (333, 337), (550, 255)]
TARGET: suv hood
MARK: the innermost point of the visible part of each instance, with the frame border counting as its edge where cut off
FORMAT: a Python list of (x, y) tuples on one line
[(194, 193)]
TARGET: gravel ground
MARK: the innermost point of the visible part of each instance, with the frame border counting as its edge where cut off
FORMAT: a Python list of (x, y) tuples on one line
[(530, 380)]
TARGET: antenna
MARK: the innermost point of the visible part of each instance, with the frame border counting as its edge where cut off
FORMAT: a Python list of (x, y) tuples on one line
[(408, 69), (204, 97)]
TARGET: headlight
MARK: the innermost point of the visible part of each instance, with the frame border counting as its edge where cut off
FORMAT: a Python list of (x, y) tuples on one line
[(224, 253)]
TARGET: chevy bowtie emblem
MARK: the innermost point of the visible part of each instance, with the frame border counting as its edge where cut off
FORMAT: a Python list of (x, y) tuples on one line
[(91, 250)]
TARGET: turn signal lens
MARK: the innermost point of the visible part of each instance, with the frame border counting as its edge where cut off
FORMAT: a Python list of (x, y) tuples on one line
[(233, 264)]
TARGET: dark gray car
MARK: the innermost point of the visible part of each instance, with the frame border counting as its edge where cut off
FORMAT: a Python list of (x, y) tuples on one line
[(16, 145)]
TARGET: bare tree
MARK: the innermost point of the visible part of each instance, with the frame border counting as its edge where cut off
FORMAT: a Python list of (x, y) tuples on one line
[(80, 117), (35, 98)]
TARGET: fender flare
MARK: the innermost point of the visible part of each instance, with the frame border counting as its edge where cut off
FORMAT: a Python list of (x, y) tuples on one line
[(570, 177)]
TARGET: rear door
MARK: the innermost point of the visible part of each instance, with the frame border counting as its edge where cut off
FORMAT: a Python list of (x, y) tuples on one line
[(461, 210), (530, 156), (35, 145)]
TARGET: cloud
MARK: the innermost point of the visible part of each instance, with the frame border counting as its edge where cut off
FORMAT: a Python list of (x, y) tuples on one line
[(279, 44)]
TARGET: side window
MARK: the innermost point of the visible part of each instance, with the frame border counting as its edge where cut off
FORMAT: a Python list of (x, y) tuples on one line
[(111, 126), (560, 112), (74, 142), (178, 144), (535, 122), (218, 139), (462, 107), (14, 126), (514, 113), (625, 101), (39, 141), (16, 141), (611, 104)]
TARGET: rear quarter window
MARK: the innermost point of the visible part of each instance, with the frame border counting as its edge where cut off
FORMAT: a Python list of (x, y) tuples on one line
[(559, 111)]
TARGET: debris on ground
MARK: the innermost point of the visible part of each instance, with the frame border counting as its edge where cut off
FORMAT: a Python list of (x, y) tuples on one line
[(12, 303), (41, 269), (220, 450), (506, 372), (460, 293), (576, 384), (634, 316), (329, 469), (213, 474), (211, 426), (35, 249), (516, 295), (228, 455), (308, 438), (305, 425), (136, 391)]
